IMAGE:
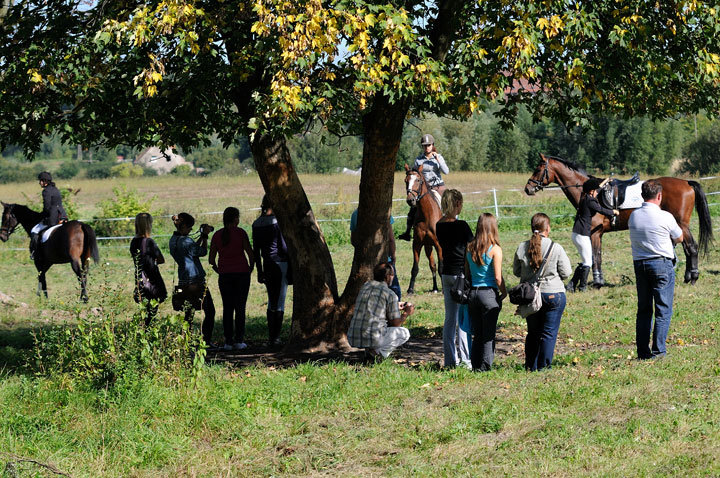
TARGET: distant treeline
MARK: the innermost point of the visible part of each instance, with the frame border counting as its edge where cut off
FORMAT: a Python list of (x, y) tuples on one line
[(690, 144)]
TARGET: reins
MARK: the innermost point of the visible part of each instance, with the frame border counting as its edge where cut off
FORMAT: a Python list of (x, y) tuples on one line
[(421, 180)]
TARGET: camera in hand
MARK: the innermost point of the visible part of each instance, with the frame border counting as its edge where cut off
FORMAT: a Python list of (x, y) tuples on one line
[(206, 228)]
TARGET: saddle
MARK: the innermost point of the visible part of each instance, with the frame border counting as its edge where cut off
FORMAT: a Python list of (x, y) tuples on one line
[(612, 195)]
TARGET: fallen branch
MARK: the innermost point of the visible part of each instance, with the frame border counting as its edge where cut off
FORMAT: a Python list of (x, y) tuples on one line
[(16, 459)]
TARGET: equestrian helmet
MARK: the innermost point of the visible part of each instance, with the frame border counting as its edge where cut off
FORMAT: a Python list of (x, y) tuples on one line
[(427, 139), (45, 176), (591, 185)]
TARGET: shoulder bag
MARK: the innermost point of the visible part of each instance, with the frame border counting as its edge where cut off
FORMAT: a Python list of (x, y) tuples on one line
[(460, 291), (528, 292)]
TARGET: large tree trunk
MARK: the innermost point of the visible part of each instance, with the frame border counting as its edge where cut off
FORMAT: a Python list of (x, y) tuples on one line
[(315, 286), (382, 131)]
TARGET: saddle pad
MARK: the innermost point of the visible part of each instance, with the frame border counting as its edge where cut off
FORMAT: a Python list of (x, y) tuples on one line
[(437, 197), (633, 197), (48, 232)]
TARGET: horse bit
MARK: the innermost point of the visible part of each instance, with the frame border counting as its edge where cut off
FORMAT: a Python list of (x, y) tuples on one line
[(421, 180)]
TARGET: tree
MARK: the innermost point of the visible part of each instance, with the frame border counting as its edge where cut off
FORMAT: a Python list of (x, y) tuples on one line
[(175, 72)]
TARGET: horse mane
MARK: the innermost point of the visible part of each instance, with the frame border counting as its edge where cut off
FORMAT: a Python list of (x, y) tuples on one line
[(571, 164)]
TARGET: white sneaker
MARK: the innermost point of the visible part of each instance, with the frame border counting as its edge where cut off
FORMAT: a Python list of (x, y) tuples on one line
[(227, 347), (240, 346)]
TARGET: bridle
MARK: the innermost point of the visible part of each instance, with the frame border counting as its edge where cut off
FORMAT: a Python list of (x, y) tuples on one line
[(544, 179), (9, 230), (421, 181)]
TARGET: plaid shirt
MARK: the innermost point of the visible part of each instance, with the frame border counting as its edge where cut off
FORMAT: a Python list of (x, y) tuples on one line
[(375, 304)]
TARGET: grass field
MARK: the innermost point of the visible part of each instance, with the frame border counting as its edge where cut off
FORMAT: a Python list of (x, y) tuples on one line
[(596, 412)]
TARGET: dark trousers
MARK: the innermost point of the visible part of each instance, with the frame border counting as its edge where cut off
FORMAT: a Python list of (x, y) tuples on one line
[(208, 307), (234, 288), (276, 285), (543, 327), (655, 281), (395, 286), (484, 308)]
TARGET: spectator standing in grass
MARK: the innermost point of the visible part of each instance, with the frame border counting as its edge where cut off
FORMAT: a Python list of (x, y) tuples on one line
[(453, 234), (273, 267), (653, 235), (543, 326), (191, 275), (231, 247), (483, 266), (377, 321), (149, 285)]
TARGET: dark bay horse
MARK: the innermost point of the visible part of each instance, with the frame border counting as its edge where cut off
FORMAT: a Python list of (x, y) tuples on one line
[(72, 242), (428, 214), (679, 197)]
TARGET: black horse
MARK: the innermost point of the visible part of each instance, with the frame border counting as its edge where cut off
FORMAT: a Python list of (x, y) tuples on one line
[(72, 242)]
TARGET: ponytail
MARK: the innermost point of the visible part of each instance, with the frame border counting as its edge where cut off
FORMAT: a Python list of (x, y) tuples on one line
[(539, 223)]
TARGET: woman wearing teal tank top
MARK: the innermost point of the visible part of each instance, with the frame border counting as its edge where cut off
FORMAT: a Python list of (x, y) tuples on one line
[(484, 267)]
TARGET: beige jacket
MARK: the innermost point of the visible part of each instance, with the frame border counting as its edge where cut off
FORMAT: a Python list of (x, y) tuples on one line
[(557, 269)]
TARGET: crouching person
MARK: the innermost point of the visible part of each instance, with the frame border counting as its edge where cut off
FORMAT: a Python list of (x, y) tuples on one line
[(376, 324)]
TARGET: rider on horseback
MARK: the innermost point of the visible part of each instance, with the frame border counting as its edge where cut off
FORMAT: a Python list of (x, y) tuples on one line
[(433, 164), (53, 212)]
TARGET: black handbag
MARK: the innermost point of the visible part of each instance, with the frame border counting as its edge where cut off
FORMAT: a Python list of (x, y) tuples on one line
[(145, 288), (460, 291), (524, 293)]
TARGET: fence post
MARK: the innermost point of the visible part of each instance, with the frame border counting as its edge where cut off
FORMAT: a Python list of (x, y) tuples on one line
[(497, 211)]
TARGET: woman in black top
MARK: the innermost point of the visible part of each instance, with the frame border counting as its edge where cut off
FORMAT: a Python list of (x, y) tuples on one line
[(149, 285), (587, 208), (453, 235)]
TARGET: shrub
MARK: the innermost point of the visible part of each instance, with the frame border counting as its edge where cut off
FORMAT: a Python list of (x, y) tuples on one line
[(68, 170), (14, 172), (125, 204), (149, 172), (99, 170), (126, 170), (68, 199), (106, 350), (182, 170)]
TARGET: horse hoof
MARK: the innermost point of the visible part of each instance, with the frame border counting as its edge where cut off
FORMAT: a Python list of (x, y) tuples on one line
[(410, 291)]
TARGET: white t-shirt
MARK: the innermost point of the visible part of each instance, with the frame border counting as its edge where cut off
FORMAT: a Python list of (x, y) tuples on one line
[(652, 231)]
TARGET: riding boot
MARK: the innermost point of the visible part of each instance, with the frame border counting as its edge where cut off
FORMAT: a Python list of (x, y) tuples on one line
[(572, 285), (278, 327), (583, 278), (271, 326), (407, 235), (34, 239)]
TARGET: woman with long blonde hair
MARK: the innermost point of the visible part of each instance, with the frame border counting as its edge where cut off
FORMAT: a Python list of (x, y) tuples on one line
[(484, 268), (543, 326)]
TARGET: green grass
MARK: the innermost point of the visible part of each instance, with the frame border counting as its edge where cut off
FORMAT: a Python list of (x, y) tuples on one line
[(596, 412)]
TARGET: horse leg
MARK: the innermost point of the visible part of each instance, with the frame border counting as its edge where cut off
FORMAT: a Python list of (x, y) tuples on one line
[(433, 268), (598, 280), (81, 274), (691, 256), (414, 271), (42, 284)]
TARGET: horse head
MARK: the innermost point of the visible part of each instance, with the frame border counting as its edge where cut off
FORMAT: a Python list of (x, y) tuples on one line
[(414, 185), (541, 177), (9, 222)]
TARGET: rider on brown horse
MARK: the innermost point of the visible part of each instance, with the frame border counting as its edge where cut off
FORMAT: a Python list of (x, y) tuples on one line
[(433, 165), (53, 212)]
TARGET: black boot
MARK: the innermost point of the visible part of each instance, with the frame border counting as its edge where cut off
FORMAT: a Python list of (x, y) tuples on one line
[(572, 285), (583, 278), (407, 235), (271, 326), (34, 239), (278, 327)]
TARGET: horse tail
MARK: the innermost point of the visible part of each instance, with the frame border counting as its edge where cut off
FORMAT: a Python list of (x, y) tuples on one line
[(90, 243), (703, 211)]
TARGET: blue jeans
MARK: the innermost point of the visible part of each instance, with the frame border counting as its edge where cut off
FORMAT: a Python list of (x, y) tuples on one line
[(655, 281), (543, 327), (453, 355)]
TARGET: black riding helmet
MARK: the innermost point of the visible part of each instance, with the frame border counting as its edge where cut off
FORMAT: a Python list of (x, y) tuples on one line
[(45, 176), (591, 185)]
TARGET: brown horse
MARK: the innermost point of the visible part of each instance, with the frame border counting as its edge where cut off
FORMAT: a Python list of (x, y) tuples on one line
[(679, 197), (428, 214), (72, 242)]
